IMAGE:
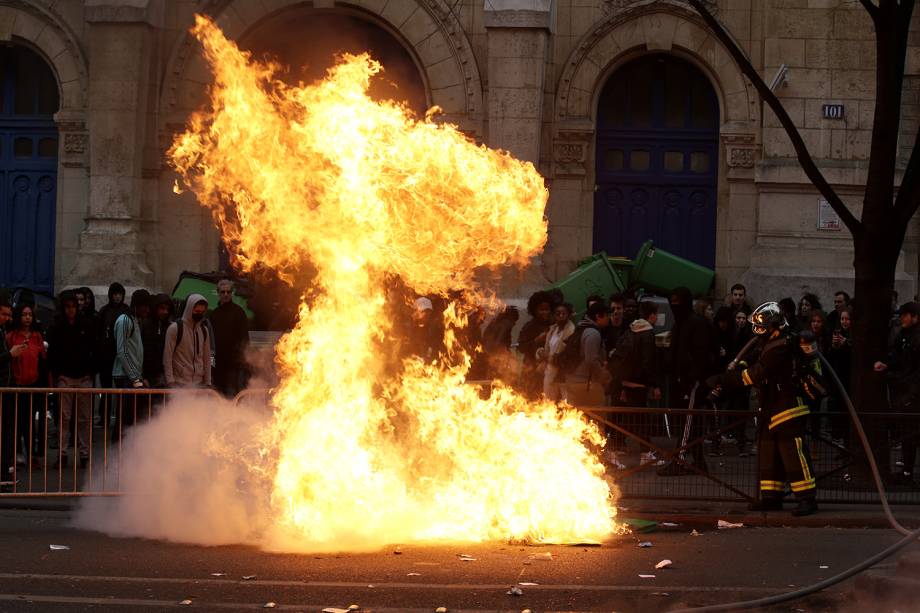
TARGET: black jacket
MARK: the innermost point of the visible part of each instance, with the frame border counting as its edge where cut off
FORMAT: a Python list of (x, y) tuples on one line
[(153, 336), (904, 370), (693, 346), (6, 362), (774, 375), (70, 348), (231, 335), (105, 328)]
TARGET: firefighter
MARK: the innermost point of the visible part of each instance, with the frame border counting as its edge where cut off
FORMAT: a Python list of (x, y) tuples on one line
[(783, 455)]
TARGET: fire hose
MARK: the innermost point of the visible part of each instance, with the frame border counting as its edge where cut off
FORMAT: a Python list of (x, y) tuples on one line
[(910, 536)]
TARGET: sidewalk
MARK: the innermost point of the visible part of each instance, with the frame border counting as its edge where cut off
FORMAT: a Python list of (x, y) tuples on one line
[(702, 514)]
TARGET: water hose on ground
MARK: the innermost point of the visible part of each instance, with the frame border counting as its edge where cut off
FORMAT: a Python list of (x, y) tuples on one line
[(910, 536)]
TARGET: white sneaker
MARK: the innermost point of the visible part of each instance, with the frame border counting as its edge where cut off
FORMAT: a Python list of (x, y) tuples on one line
[(613, 458), (647, 457)]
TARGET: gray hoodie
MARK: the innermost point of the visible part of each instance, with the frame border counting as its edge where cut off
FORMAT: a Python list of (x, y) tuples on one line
[(189, 363)]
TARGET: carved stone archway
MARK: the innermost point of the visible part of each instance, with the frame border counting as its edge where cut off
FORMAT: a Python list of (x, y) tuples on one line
[(631, 30)]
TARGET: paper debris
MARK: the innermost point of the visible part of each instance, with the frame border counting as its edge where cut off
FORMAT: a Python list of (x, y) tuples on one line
[(413, 574), (353, 607), (218, 574), (525, 583), (545, 556), (515, 591), (466, 557), (526, 611), (646, 576), (660, 594), (334, 610), (185, 602), (269, 605), (723, 525), (645, 544), (58, 547), (824, 566), (669, 524), (441, 610), (248, 577), (397, 552), (694, 533), (663, 564)]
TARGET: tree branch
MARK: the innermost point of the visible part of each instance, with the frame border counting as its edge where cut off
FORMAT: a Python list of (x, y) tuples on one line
[(804, 157)]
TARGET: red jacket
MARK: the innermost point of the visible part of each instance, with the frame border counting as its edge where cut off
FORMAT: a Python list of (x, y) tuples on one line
[(26, 366)]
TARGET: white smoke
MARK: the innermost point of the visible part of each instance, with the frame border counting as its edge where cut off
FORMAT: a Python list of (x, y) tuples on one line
[(191, 474)]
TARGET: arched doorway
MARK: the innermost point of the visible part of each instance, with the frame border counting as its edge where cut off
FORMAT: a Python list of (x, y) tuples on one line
[(307, 41), (657, 160), (28, 169)]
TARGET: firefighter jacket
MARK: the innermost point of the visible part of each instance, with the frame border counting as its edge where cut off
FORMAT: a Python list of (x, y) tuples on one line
[(774, 375)]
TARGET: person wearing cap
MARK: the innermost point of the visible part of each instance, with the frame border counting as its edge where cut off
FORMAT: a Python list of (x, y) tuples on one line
[(902, 368)]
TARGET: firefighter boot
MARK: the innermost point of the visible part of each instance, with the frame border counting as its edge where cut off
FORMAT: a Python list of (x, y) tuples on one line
[(806, 506)]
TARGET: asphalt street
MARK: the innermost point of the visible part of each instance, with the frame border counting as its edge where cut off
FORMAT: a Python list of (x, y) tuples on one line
[(101, 573)]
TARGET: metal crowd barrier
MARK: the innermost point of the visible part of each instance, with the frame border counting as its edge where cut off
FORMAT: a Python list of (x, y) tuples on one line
[(35, 435), (35, 430)]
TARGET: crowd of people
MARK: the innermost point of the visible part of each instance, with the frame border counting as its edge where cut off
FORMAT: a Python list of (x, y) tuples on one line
[(612, 357), (124, 345)]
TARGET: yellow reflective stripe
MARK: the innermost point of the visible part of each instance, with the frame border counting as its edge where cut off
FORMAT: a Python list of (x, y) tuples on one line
[(788, 414), (800, 448), (771, 486), (746, 378), (801, 486)]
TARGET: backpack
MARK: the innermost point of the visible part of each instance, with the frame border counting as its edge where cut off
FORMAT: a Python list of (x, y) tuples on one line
[(570, 357), (622, 359)]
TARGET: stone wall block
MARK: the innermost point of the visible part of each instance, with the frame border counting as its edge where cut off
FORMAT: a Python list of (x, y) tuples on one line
[(866, 114), (249, 12), (452, 99), (852, 24), (814, 113), (27, 26), (838, 144), (659, 31), (799, 23), (858, 84), (113, 95), (690, 36), (7, 19), (433, 50), (374, 6), (112, 196), (789, 51), (443, 74), (50, 43), (817, 53), (516, 103), (418, 27), (396, 13), (859, 143), (804, 82), (795, 107)]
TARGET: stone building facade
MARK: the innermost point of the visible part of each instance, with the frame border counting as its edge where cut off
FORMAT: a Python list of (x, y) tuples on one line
[(636, 115)]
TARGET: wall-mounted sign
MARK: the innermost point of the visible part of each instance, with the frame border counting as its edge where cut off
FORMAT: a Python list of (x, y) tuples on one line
[(827, 217), (832, 111)]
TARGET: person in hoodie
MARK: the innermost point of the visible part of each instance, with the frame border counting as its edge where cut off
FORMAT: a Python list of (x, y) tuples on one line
[(128, 367), (638, 372), (153, 334), (105, 332), (693, 358), (70, 360), (187, 360), (586, 383)]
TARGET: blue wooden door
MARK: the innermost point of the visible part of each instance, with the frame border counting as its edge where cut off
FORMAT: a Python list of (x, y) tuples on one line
[(657, 160), (28, 170)]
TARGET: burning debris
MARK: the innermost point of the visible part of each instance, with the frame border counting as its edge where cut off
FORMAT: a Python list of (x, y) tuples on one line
[(322, 179)]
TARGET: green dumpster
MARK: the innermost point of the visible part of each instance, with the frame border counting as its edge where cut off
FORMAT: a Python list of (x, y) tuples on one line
[(622, 267), (206, 285), (659, 271), (595, 275)]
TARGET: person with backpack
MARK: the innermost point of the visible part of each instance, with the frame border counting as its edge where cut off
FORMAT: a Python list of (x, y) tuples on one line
[(783, 455), (187, 354), (128, 367), (635, 365), (105, 334), (583, 361)]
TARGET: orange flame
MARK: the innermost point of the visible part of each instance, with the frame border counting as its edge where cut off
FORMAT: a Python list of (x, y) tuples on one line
[(322, 177)]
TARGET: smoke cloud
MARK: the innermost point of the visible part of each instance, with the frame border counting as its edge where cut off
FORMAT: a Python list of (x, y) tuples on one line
[(192, 474)]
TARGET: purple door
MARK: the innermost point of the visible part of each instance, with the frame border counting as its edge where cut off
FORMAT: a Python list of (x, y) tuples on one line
[(657, 160)]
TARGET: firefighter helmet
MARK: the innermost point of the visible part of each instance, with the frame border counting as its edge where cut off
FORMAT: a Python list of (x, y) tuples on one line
[(767, 316)]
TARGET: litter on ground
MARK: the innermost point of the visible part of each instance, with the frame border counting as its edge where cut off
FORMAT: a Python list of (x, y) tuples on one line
[(515, 591), (646, 576), (664, 564), (545, 556), (724, 525), (645, 544), (58, 547)]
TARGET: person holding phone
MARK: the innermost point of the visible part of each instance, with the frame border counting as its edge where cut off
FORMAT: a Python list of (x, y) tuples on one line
[(839, 354), (27, 346)]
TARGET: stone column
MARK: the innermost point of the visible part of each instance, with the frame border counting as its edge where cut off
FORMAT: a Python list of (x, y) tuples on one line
[(121, 39), (518, 34)]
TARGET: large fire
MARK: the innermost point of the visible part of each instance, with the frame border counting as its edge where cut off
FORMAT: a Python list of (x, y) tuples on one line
[(322, 178)]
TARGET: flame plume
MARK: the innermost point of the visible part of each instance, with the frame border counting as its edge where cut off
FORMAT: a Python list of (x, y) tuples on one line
[(322, 177)]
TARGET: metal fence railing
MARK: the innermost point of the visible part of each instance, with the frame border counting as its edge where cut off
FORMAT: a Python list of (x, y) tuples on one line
[(68, 442), (57, 441)]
